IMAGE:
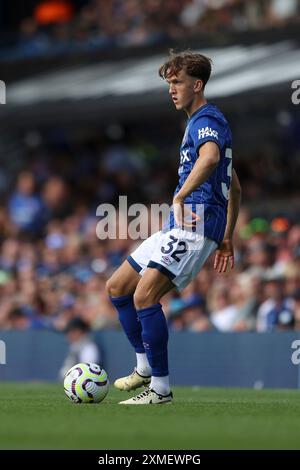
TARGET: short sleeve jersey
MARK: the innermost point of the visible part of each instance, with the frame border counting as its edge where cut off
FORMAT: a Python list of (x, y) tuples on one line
[(207, 124)]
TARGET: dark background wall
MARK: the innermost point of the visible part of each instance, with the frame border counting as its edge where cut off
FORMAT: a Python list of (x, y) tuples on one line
[(209, 359)]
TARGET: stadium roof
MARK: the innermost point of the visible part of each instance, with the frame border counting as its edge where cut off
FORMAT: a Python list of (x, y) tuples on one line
[(130, 83)]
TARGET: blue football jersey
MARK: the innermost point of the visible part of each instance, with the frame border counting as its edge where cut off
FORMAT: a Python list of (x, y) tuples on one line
[(207, 124)]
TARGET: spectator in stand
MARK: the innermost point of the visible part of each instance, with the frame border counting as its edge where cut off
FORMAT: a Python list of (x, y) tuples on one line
[(296, 298), (276, 310), (82, 347), (25, 207), (63, 26)]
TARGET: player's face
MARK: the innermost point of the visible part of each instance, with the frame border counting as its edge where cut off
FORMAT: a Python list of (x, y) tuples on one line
[(182, 89)]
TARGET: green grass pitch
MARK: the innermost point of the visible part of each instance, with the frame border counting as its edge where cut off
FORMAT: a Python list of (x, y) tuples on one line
[(39, 416)]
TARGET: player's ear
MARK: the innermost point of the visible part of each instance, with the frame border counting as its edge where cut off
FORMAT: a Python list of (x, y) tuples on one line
[(198, 86)]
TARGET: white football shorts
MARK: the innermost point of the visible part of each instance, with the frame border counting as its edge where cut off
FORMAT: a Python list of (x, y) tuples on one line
[(177, 253)]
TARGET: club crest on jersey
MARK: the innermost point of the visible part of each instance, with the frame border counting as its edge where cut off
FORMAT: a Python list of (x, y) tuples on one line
[(207, 132)]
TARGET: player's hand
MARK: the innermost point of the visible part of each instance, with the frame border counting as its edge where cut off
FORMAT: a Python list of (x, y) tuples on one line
[(182, 212), (223, 256)]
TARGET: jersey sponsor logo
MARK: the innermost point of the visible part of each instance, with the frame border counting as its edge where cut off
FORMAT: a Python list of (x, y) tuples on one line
[(184, 156), (207, 132)]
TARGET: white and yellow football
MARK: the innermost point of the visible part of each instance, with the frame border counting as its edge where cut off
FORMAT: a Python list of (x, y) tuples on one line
[(86, 383)]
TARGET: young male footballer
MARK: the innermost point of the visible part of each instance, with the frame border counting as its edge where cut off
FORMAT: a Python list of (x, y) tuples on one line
[(209, 188)]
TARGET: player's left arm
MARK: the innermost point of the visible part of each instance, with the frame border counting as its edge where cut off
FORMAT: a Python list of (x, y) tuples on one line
[(225, 253), (209, 157)]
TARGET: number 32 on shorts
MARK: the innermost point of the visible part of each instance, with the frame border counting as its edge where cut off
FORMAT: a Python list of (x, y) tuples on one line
[(181, 248)]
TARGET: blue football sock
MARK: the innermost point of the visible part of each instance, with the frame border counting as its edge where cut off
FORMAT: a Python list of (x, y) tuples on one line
[(129, 320), (155, 338)]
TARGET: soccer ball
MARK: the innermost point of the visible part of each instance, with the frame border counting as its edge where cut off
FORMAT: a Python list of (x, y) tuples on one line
[(86, 383)]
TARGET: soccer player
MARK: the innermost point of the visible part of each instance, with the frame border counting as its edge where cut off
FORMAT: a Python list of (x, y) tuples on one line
[(173, 256)]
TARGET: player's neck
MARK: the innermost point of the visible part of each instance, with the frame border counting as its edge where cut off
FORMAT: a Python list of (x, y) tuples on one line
[(196, 104)]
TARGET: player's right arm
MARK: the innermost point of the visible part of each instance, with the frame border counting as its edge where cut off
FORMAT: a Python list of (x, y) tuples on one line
[(209, 157), (225, 253)]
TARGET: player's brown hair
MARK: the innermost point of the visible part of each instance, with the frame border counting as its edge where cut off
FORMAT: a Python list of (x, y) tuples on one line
[(194, 64)]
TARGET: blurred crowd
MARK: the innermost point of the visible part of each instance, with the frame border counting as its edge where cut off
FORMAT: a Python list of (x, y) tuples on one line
[(62, 26), (53, 266)]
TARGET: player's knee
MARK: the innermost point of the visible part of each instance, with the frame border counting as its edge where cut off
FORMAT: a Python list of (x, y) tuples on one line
[(112, 288), (108, 287), (142, 299), (116, 287), (139, 299)]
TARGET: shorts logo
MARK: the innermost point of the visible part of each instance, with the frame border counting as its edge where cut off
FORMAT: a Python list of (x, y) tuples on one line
[(207, 132), (167, 260)]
